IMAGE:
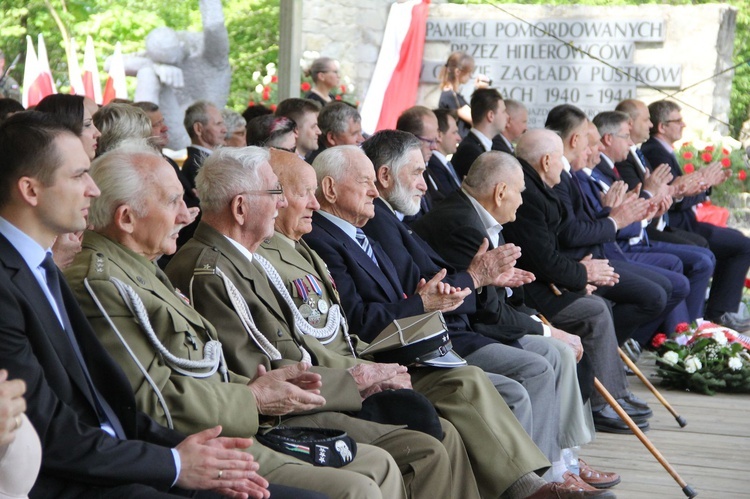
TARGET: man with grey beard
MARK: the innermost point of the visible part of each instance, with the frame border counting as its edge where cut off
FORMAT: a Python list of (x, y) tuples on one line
[(543, 368)]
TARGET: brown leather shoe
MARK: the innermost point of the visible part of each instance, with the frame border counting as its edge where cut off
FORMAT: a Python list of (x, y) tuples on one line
[(572, 488), (598, 479)]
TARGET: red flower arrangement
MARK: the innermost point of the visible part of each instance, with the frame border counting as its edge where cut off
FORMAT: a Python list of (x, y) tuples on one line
[(658, 340)]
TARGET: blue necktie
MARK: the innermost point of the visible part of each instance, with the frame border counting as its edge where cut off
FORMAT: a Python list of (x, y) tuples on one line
[(103, 410), (640, 155), (365, 243)]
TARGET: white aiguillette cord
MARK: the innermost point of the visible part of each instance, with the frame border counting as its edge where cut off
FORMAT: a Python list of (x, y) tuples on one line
[(243, 312), (213, 354), (327, 333)]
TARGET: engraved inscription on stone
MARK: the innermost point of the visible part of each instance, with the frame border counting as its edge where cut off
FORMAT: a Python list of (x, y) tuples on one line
[(526, 64)]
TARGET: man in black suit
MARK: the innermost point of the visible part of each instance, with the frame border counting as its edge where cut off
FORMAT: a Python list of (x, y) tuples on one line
[(205, 126), (489, 198), (697, 263), (730, 247), (94, 442), (640, 296), (654, 179), (489, 118), (518, 118), (444, 179)]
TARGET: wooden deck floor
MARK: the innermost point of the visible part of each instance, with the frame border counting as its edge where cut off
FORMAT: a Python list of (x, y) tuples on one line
[(712, 453)]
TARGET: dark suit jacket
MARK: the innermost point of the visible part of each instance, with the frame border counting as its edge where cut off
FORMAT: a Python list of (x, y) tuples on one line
[(76, 453), (538, 221), (468, 150), (680, 214), (498, 144), (455, 231), (192, 164), (415, 259), (630, 172), (585, 233), (441, 177), (372, 295)]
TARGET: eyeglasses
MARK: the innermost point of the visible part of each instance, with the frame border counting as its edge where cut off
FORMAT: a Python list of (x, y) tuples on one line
[(431, 142), (278, 191), (621, 136)]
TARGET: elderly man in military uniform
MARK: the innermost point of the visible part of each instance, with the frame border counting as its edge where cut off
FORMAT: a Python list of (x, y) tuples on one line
[(219, 270), (170, 353), (302, 311)]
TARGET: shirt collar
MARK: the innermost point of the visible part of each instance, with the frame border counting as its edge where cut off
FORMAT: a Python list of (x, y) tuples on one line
[(666, 144), (30, 250), (441, 157), (507, 142), (245, 252), (488, 221), (342, 224), (566, 164), (486, 143), (202, 149), (607, 159)]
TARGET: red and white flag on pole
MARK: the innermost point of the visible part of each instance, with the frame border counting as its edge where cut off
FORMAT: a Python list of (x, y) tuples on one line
[(45, 73), (115, 88), (91, 84), (395, 81), (74, 70), (35, 86)]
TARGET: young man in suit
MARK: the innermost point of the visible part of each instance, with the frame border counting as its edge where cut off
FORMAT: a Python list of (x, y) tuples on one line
[(439, 168), (94, 441), (730, 247), (654, 179), (489, 117)]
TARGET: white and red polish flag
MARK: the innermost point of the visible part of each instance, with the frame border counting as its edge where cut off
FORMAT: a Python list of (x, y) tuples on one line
[(74, 70), (91, 84), (115, 88)]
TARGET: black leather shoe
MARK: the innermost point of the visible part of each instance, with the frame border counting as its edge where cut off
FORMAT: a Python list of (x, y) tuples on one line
[(640, 412), (635, 401), (608, 421)]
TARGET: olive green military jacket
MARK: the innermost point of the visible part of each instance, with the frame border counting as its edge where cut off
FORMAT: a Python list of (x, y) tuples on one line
[(194, 404), (194, 270), (294, 261)]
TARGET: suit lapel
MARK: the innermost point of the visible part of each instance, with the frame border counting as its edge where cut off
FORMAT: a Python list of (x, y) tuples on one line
[(241, 266), (23, 278), (359, 255)]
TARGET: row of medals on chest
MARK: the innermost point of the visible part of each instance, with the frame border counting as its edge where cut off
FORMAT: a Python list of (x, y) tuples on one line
[(314, 306)]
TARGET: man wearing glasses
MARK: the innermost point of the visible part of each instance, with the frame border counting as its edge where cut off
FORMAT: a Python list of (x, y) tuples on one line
[(730, 247)]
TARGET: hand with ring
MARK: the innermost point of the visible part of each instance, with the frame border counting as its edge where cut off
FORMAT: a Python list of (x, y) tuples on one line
[(12, 406)]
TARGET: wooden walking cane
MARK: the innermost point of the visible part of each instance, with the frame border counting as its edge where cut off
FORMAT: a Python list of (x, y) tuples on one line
[(680, 420), (686, 489)]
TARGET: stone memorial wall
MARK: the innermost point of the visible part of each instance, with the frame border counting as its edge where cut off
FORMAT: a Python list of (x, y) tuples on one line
[(658, 49)]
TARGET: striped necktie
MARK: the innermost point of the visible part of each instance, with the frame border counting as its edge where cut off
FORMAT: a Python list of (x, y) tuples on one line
[(365, 243)]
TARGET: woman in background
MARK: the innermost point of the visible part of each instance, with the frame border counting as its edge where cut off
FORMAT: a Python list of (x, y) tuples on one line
[(324, 72), (76, 112), (456, 73)]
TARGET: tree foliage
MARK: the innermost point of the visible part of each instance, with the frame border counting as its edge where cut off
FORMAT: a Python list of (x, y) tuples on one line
[(253, 27), (740, 98)]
